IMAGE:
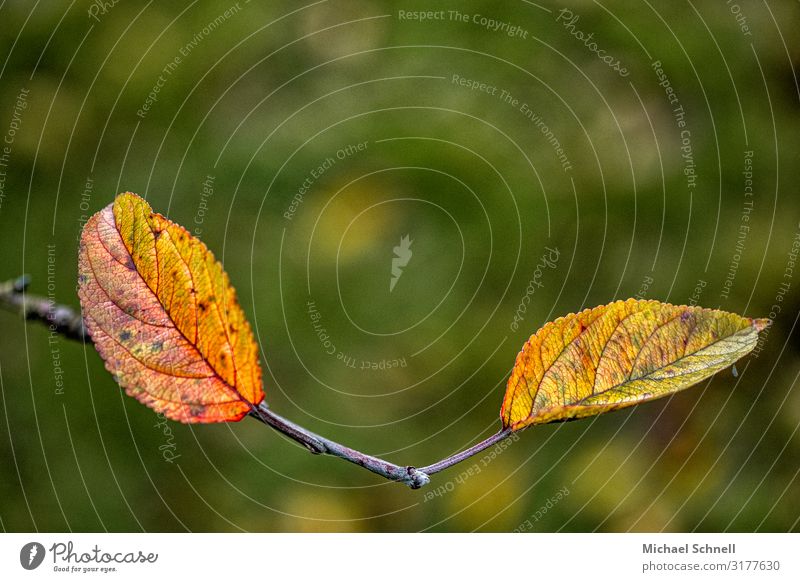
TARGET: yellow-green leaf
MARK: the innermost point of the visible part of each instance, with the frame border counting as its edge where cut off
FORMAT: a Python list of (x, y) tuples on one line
[(618, 355)]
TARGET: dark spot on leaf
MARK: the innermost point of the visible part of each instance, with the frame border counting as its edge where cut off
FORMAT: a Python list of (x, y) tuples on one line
[(125, 336), (82, 279), (202, 306), (157, 346), (232, 329), (129, 264), (157, 234), (195, 408)]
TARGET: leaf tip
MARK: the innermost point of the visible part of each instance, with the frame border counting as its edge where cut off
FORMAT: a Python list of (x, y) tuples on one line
[(127, 194), (761, 323)]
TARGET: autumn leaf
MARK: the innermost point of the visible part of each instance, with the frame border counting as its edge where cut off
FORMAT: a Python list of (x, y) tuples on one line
[(618, 355), (164, 316)]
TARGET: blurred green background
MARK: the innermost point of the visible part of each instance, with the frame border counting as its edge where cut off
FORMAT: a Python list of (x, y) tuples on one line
[(219, 113)]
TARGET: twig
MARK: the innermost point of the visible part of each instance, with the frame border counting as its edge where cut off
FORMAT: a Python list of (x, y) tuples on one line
[(466, 454), (411, 476), (66, 321), (59, 318)]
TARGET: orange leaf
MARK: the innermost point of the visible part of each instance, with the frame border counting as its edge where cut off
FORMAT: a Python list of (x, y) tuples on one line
[(164, 317), (618, 355)]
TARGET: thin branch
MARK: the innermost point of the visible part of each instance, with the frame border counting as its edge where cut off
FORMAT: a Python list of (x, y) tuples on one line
[(411, 476), (59, 318), (68, 322), (466, 454)]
